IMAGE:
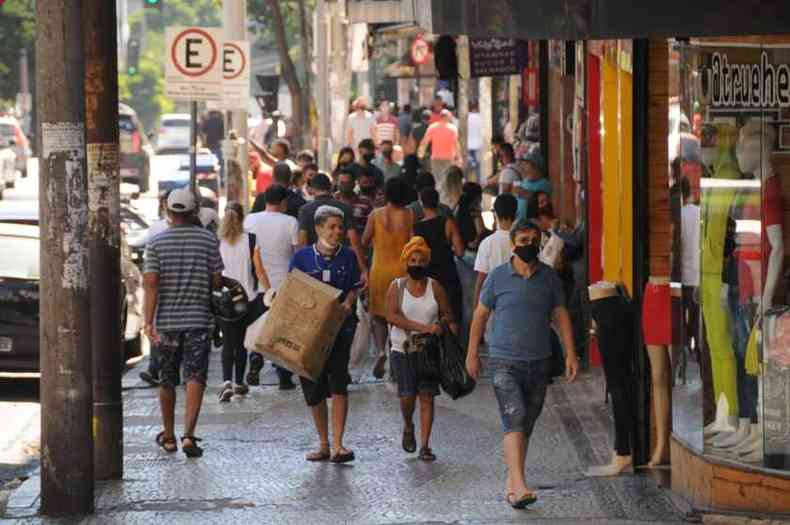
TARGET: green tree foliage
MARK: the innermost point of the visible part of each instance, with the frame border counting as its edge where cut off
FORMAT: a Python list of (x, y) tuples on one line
[(144, 92), (17, 30)]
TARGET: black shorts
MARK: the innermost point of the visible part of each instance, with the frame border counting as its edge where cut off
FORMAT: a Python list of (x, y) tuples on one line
[(192, 347), (335, 378)]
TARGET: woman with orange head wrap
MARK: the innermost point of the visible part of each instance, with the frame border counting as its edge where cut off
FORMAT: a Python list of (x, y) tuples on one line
[(416, 304)]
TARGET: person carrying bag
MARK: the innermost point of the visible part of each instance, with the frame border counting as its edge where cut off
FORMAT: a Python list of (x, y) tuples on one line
[(416, 307)]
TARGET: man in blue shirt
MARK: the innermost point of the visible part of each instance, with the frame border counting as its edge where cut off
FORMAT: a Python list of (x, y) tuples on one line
[(332, 263), (524, 296)]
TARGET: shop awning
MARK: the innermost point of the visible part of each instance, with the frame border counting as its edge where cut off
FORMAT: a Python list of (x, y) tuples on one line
[(599, 19)]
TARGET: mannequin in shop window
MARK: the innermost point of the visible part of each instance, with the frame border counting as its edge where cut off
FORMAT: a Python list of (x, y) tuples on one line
[(756, 256), (613, 315), (716, 204)]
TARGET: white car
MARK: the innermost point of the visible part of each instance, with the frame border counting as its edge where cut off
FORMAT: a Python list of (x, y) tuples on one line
[(8, 169), (173, 135)]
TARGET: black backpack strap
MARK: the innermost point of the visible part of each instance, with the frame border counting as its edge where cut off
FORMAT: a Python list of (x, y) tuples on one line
[(253, 242)]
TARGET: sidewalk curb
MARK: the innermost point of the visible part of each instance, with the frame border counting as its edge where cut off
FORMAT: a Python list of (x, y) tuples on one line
[(24, 500)]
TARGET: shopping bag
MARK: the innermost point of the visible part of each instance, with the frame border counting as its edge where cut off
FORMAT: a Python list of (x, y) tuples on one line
[(454, 379)]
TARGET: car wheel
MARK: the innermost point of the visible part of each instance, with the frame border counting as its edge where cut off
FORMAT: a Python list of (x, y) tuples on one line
[(10, 185), (132, 348)]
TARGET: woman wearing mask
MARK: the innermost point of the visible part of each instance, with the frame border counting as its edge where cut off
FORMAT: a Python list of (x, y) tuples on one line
[(416, 307), (242, 262), (388, 230), (443, 238)]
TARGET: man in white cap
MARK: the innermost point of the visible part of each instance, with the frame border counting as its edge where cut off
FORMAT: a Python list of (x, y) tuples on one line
[(182, 266)]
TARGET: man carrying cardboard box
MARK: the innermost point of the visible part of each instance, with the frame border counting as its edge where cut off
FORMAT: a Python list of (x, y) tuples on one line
[(332, 263)]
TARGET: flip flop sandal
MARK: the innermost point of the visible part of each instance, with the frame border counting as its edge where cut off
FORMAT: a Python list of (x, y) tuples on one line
[(321, 455), (523, 502), (163, 442), (192, 450), (426, 454), (409, 440), (343, 457)]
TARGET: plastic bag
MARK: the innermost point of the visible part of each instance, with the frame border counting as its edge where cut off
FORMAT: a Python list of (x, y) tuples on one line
[(455, 380)]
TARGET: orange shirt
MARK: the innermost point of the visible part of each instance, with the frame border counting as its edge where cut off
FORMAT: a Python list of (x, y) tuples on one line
[(444, 141)]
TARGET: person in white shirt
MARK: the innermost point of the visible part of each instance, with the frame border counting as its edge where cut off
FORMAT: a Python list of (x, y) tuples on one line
[(361, 124), (496, 250), (689, 264), (474, 138), (277, 236)]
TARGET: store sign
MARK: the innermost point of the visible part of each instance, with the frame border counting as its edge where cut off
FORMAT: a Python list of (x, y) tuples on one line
[(762, 85), (490, 57)]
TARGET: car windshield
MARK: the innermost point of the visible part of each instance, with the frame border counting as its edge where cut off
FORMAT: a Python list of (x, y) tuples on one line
[(19, 258), (175, 123)]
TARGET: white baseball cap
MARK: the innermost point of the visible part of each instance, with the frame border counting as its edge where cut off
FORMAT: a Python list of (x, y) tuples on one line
[(181, 200)]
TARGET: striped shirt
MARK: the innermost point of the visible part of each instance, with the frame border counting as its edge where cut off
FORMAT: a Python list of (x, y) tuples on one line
[(386, 127), (185, 257)]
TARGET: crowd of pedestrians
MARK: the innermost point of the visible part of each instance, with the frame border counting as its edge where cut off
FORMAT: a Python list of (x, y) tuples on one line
[(387, 227)]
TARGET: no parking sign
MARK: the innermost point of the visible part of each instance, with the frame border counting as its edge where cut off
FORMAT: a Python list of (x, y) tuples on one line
[(194, 63)]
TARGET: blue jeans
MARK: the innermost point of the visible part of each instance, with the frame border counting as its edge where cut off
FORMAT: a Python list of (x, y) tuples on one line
[(474, 164), (743, 315), (520, 388)]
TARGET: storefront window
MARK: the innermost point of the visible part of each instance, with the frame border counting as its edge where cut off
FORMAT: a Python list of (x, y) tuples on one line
[(729, 152)]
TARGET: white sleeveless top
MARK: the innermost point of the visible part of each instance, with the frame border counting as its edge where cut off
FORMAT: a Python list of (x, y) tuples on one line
[(423, 309)]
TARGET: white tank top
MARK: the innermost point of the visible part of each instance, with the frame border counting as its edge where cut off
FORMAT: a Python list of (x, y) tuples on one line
[(423, 309)]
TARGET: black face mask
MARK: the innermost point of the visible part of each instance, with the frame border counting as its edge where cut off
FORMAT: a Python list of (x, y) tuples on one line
[(416, 272), (346, 189), (528, 253), (369, 157), (367, 190)]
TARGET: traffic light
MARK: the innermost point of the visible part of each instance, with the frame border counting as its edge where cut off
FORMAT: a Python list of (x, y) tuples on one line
[(152, 4), (132, 56)]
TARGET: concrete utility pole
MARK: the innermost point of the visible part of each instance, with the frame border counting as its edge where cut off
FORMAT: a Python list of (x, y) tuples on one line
[(235, 24), (67, 480), (101, 126)]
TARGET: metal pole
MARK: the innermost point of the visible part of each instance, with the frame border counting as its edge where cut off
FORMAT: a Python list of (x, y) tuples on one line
[(101, 123), (193, 147), (67, 480), (235, 23)]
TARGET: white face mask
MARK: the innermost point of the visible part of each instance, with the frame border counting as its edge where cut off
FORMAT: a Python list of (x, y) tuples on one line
[(327, 245)]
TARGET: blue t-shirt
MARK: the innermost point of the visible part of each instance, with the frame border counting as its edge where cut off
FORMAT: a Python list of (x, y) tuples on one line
[(340, 271), (522, 310)]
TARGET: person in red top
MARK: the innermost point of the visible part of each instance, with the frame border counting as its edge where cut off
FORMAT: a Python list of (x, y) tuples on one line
[(261, 173), (445, 152)]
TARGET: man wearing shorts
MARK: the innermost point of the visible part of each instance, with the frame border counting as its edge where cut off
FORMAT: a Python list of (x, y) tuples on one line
[(336, 265), (523, 296), (182, 266)]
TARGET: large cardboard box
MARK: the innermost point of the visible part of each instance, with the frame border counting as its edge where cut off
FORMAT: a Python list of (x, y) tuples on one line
[(302, 325)]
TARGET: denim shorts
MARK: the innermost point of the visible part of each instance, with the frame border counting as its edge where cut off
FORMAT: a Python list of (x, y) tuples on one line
[(520, 388), (190, 346), (405, 369)]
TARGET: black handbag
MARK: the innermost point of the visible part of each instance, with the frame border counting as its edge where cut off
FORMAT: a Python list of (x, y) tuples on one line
[(427, 358)]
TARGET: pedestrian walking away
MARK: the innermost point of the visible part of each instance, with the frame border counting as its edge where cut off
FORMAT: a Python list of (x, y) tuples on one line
[(182, 265), (388, 230), (327, 260), (522, 296), (417, 310), (445, 151), (241, 257), (277, 238), (443, 238)]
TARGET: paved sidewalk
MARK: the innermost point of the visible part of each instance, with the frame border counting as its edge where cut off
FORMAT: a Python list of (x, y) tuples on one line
[(253, 470)]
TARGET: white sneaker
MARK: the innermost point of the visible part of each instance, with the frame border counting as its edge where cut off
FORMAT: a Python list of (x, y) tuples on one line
[(226, 392)]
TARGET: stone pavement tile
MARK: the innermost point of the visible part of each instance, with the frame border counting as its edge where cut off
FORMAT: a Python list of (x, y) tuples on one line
[(254, 471)]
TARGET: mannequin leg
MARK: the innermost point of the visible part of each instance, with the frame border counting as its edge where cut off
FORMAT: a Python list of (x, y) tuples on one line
[(661, 376), (717, 328)]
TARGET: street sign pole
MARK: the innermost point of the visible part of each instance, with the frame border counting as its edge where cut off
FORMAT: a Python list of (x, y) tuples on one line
[(193, 135), (67, 476), (101, 125)]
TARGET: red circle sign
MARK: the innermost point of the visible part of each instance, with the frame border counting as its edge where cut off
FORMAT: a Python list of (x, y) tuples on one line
[(207, 37), (243, 61), (420, 51)]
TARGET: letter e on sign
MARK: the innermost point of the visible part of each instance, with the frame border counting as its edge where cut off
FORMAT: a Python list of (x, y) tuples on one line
[(194, 69), (235, 74)]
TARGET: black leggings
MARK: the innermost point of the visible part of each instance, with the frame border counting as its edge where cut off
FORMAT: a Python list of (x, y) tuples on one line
[(615, 320), (234, 355)]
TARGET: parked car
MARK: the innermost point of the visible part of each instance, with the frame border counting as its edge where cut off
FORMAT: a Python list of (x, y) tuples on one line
[(11, 131), (19, 296), (136, 149), (135, 229), (173, 135), (177, 175), (7, 164)]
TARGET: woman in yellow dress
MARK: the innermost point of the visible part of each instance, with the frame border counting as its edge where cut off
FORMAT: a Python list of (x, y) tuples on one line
[(388, 230)]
